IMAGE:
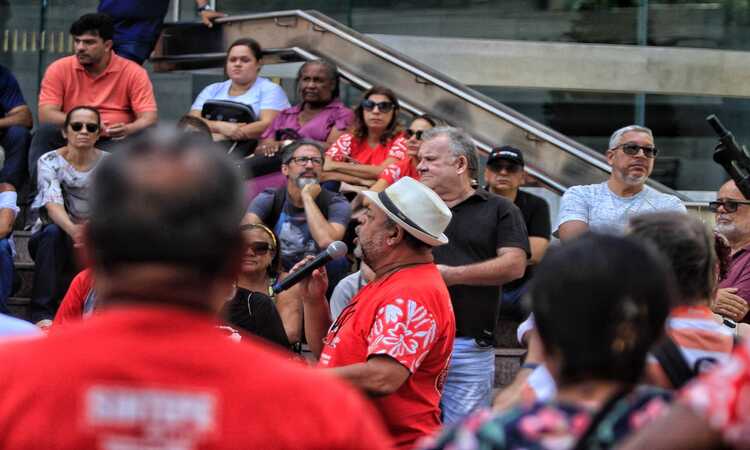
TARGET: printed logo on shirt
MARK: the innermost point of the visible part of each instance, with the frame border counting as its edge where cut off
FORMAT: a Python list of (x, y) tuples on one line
[(139, 418)]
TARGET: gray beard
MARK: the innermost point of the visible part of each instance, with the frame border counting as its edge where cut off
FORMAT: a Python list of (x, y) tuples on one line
[(302, 182)]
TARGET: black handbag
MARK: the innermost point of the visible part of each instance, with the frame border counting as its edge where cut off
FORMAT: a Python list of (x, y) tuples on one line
[(228, 111)]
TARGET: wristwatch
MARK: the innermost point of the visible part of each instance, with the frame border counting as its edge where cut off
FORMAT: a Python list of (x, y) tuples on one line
[(202, 8)]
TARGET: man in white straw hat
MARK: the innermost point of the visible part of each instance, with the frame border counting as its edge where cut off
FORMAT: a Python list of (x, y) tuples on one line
[(488, 248), (394, 340)]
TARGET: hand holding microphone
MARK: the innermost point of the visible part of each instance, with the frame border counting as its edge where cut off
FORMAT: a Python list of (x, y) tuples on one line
[(304, 268)]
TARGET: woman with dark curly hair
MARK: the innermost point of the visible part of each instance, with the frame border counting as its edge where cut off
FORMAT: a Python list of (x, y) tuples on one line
[(375, 141)]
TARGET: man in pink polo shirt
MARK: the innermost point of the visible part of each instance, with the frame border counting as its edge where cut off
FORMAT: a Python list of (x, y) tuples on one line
[(95, 76)]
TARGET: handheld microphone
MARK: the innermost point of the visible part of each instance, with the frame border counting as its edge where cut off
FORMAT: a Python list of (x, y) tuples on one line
[(335, 250)]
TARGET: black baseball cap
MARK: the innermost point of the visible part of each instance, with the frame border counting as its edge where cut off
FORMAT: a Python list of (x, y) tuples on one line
[(505, 153)]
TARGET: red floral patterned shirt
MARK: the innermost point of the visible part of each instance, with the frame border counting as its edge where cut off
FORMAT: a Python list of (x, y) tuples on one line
[(394, 172), (348, 148), (722, 397), (406, 315)]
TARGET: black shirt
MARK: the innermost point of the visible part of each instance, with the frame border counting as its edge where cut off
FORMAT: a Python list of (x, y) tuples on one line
[(256, 313), (535, 212), (481, 224)]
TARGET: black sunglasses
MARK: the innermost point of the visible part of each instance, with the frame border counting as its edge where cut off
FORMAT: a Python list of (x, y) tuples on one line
[(632, 149), (508, 167), (259, 248), (90, 127), (413, 133), (385, 107), (730, 206)]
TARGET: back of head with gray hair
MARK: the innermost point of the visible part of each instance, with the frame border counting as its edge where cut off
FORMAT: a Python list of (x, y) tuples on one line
[(614, 140), (459, 142)]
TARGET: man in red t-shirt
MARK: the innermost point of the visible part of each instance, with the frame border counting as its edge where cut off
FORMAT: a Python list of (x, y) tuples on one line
[(151, 369), (394, 340)]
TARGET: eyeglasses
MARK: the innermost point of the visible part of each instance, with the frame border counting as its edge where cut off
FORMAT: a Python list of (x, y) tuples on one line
[(90, 127), (260, 248), (385, 107), (632, 149), (508, 167), (413, 133), (729, 205), (303, 160)]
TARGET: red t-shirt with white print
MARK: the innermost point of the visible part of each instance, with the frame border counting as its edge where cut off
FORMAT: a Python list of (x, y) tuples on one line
[(408, 316)]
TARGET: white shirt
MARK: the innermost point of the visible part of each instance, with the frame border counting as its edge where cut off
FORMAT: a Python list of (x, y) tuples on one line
[(263, 94)]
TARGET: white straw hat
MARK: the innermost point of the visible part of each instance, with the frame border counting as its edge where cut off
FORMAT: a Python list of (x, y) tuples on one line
[(416, 208)]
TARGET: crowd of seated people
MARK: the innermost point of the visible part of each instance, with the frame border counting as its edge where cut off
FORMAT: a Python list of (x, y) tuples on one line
[(635, 301)]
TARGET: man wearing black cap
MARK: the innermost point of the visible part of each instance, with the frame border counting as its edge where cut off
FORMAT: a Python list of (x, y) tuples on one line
[(504, 175)]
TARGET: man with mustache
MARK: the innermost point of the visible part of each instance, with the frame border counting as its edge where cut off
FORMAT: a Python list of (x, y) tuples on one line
[(733, 222), (305, 217), (607, 206)]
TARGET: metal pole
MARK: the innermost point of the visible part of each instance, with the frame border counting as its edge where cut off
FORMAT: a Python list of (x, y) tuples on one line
[(175, 10), (642, 24)]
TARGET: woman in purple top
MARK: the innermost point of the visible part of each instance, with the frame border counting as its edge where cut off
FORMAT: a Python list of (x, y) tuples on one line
[(320, 116)]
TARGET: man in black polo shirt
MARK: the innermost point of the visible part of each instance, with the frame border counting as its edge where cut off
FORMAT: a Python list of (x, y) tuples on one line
[(487, 248), (504, 175)]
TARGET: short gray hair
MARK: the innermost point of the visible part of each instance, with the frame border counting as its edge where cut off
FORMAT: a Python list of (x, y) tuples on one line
[(614, 140), (459, 142), (288, 150)]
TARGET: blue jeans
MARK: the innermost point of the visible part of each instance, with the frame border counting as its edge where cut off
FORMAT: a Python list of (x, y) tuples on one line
[(15, 141), (52, 250), (6, 274), (471, 375)]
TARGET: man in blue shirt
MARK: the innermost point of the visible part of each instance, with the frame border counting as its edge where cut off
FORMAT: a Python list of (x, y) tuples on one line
[(138, 24), (15, 123)]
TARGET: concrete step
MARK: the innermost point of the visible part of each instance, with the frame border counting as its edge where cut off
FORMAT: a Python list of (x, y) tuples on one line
[(507, 363), (19, 307), (21, 239)]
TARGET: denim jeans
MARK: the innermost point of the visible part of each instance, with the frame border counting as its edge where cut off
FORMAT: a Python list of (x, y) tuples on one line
[(52, 251), (471, 375), (6, 274)]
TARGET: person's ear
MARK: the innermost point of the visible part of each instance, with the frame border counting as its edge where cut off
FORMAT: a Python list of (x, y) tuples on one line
[(610, 154), (108, 44), (396, 235), (285, 170), (462, 164)]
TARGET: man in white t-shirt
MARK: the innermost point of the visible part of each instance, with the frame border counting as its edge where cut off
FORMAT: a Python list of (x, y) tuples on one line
[(607, 206)]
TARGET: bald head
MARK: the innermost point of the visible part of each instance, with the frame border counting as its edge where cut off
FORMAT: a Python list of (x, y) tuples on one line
[(166, 199)]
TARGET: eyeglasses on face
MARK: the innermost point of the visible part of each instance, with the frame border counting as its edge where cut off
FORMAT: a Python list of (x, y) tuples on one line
[(303, 160), (90, 127), (260, 248), (632, 149), (728, 204), (508, 167), (384, 107), (413, 133)]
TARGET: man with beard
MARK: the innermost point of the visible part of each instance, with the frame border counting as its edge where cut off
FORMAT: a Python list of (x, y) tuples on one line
[(305, 217), (394, 340), (607, 206), (95, 76), (733, 222)]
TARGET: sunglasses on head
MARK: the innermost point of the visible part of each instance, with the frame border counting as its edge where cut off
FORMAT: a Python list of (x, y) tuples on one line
[(413, 133), (260, 248), (90, 127), (385, 107), (632, 149), (506, 166), (729, 205)]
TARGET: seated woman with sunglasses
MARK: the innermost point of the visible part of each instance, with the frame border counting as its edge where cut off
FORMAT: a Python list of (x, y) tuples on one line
[(407, 167), (63, 178), (252, 309), (596, 319), (359, 157)]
